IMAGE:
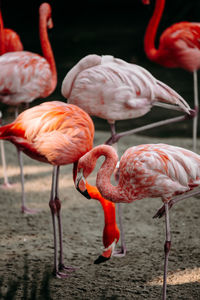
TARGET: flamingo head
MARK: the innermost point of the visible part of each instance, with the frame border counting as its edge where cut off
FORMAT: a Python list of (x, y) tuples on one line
[(111, 236)]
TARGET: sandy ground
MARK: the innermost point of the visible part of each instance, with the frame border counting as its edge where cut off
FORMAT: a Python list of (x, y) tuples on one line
[(26, 253)]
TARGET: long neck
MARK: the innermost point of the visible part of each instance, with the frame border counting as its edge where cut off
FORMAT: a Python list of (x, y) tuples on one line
[(108, 206), (150, 34), (2, 43), (104, 174), (46, 47)]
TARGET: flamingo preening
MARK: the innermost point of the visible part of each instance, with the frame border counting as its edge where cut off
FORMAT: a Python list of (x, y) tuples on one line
[(179, 47), (145, 171), (26, 76)]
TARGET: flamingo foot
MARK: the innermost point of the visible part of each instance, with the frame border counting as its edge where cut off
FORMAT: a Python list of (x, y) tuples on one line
[(160, 213), (120, 253), (59, 274), (26, 210), (7, 185), (62, 267)]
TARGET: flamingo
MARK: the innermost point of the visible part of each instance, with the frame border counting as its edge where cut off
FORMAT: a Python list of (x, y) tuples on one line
[(113, 89), (179, 47), (151, 170), (58, 133), (26, 76), (9, 41)]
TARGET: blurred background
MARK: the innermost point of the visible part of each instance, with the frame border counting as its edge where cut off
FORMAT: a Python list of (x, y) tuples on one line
[(105, 27)]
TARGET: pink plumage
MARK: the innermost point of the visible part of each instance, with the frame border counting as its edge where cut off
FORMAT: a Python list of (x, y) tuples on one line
[(145, 171)]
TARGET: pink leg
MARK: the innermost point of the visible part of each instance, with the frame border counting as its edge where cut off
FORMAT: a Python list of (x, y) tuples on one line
[(55, 206), (115, 138), (160, 213), (167, 249), (24, 208)]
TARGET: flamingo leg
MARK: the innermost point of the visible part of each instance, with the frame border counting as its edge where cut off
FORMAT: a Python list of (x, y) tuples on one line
[(3, 159), (160, 213), (166, 249), (53, 213), (196, 107), (117, 136), (58, 210), (55, 207)]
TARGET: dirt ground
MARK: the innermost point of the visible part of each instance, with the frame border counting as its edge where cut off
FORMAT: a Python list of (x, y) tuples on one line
[(26, 252)]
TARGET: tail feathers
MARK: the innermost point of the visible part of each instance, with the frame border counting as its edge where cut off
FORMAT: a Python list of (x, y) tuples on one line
[(88, 61), (5, 131), (168, 95)]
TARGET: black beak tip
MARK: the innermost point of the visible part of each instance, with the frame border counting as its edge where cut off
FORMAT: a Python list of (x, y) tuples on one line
[(101, 259), (85, 193)]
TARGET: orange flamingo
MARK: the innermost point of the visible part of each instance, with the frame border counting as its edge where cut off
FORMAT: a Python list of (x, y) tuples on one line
[(26, 76), (59, 134), (152, 170), (9, 41), (179, 47)]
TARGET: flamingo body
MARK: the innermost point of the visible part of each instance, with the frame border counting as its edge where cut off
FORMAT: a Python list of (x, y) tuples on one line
[(53, 132), (113, 89), (179, 47), (152, 170), (24, 77), (12, 41)]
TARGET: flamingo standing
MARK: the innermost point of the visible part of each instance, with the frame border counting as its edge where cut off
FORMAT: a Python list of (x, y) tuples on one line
[(9, 41), (59, 133), (26, 76), (151, 170), (113, 89), (179, 47)]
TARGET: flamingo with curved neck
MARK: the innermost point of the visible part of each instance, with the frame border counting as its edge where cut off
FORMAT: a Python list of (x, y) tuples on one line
[(145, 171), (179, 47), (26, 76)]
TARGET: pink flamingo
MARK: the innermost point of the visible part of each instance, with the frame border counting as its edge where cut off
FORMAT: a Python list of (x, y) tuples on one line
[(59, 133), (179, 47), (152, 170), (113, 89), (26, 76), (9, 41)]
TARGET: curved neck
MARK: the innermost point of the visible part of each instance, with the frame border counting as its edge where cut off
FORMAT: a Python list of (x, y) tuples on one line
[(104, 174), (150, 34), (2, 42), (46, 46)]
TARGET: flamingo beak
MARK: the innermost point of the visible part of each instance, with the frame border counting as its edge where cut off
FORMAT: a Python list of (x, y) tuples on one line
[(107, 253), (80, 184)]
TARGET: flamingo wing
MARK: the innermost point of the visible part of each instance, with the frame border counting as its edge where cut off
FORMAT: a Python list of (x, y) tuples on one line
[(158, 171), (24, 76), (53, 132)]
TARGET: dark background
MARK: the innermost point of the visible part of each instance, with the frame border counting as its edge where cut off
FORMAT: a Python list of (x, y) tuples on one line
[(105, 27)]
